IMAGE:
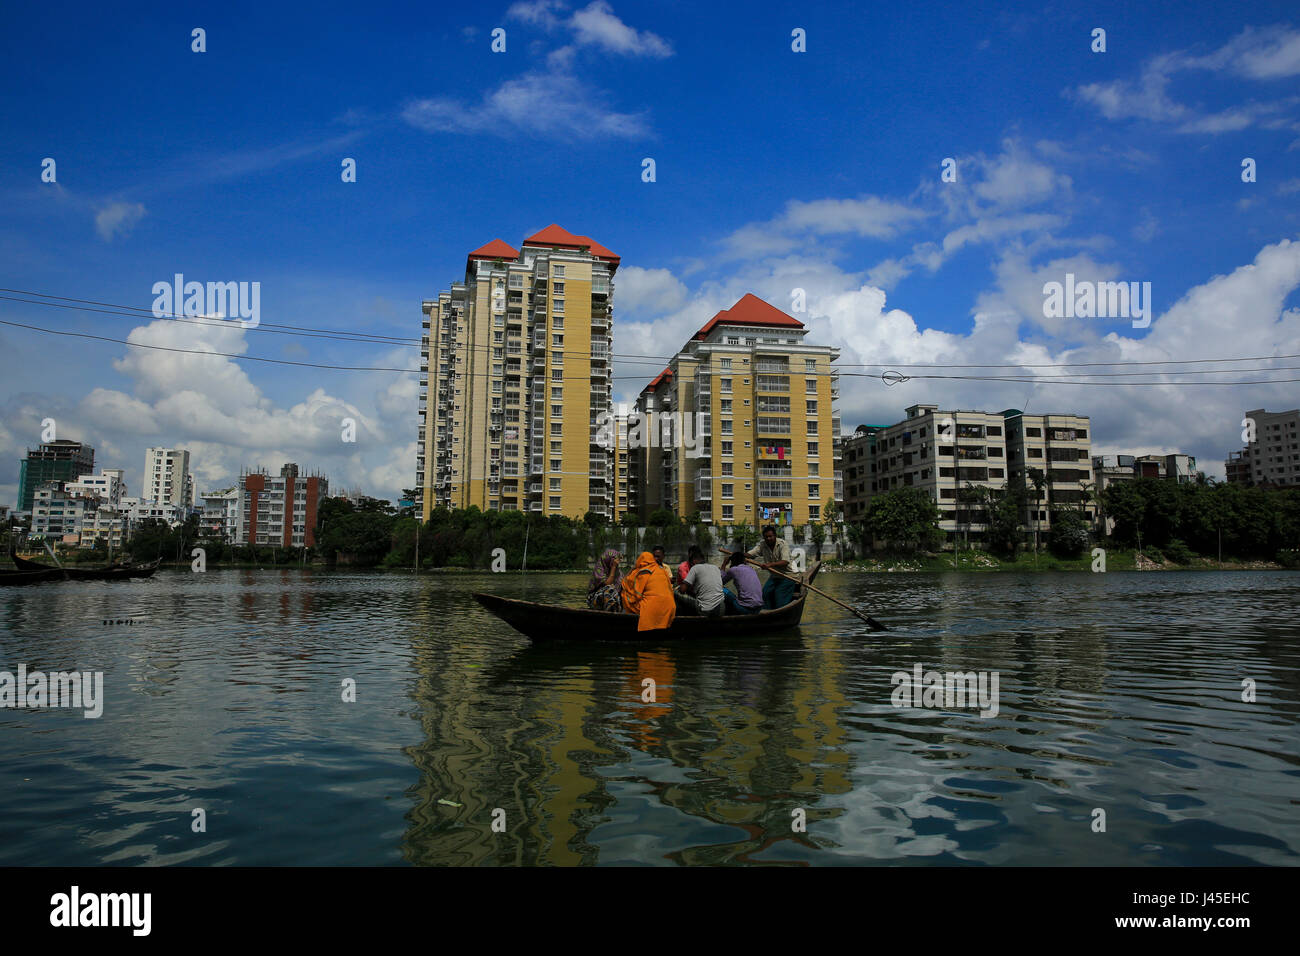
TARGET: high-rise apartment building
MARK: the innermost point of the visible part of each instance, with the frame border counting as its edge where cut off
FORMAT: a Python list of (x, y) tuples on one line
[(279, 510), (60, 460), (1274, 457), (167, 477), (515, 371), (741, 425)]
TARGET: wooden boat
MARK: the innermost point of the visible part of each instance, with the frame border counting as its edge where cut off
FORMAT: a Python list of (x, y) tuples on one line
[(119, 572), (9, 576), (553, 622)]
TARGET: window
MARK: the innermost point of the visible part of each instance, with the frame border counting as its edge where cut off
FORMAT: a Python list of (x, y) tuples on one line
[(812, 408), (726, 468), (555, 464), (557, 305), (557, 322), (726, 406), (726, 426), (557, 341), (557, 358), (814, 491), (724, 386), (557, 411), (555, 484), (810, 365), (556, 448), (812, 449), (557, 287), (726, 447), (726, 365), (728, 512), (814, 512), (557, 394), (814, 470), (557, 375), (555, 504), (728, 490), (811, 386), (812, 427), (558, 272), (498, 336), (733, 340), (557, 429)]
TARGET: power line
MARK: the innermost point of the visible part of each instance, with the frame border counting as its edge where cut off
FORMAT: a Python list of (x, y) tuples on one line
[(1070, 378)]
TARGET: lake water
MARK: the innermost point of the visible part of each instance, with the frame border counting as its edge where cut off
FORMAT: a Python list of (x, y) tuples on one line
[(1120, 693)]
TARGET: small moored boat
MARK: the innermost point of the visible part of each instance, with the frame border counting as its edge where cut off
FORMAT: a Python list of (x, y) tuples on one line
[(115, 572), (553, 622)]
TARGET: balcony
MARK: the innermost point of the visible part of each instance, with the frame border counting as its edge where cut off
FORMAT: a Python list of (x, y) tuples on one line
[(762, 365), (703, 488), (773, 383), (772, 426)]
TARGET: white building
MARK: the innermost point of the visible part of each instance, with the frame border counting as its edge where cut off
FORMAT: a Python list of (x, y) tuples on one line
[(1273, 458), (167, 477), (220, 518), (109, 486)]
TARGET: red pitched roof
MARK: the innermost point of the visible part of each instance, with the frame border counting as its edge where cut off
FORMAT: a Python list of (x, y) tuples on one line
[(750, 310), (556, 235), (496, 249), (666, 373)]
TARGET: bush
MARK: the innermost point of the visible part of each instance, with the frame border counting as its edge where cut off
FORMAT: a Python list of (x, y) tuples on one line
[(1178, 552), (1069, 536)]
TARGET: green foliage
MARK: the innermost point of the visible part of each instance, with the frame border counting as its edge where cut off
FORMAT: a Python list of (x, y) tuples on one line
[(1251, 523), (662, 518), (1178, 552), (1069, 535), (905, 518)]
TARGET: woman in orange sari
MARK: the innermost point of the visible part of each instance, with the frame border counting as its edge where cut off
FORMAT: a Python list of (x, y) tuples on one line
[(648, 593)]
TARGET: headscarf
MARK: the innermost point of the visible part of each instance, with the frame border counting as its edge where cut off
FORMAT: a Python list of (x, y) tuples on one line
[(648, 593), (602, 569)]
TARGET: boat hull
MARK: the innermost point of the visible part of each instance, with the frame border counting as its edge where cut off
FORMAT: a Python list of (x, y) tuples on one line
[(544, 623), (120, 573)]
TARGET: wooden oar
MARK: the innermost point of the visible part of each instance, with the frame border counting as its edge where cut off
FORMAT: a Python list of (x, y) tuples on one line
[(871, 621)]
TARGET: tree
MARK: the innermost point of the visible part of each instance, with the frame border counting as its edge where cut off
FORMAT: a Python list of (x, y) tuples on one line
[(831, 515), (630, 519), (661, 518), (906, 518), (1069, 535), (818, 536), (594, 519)]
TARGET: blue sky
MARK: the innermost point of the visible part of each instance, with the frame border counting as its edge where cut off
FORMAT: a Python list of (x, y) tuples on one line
[(774, 170)]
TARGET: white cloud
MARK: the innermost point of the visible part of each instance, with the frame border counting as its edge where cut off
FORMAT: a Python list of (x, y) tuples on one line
[(648, 291), (118, 218), (546, 104), (596, 25)]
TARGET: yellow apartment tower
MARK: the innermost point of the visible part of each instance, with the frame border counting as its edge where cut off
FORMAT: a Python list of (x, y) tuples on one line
[(741, 425), (515, 369)]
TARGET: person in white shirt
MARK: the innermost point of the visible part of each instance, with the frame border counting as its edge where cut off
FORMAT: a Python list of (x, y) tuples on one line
[(701, 591)]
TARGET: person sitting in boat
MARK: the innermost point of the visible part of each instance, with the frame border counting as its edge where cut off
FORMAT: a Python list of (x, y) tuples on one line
[(684, 568), (658, 552), (648, 593), (701, 590), (773, 554), (603, 591), (749, 596)]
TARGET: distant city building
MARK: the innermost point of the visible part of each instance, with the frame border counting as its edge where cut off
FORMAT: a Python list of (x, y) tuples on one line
[(279, 510), (519, 358), (220, 514), (167, 477), (1110, 469), (56, 512), (109, 487), (858, 458), (948, 453), (752, 432), (1274, 457), (138, 511), (61, 460)]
